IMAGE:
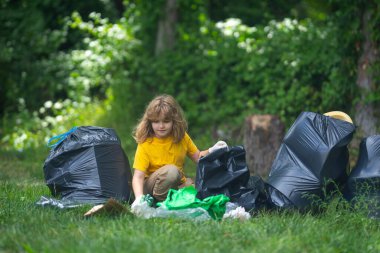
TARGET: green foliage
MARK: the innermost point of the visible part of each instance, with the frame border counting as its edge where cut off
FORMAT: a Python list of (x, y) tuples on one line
[(219, 72), (32, 36), (46, 89), (228, 70), (255, 13), (86, 75), (27, 133), (145, 15), (25, 40), (293, 65), (348, 19), (107, 49)]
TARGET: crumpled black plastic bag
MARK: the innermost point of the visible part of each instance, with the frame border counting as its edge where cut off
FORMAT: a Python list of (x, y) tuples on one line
[(313, 152), (222, 172), (225, 172), (88, 167), (254, 195), (364, 179)]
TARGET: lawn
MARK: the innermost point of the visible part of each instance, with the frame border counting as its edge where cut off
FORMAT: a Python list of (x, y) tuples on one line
[(26, 227)]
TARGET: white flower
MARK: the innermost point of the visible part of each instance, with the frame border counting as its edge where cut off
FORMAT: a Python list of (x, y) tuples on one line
[(59, 118), (48, 104), (58, 105)]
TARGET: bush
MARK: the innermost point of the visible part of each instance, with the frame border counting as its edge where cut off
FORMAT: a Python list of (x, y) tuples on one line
[(86, 75), (219, 73), (228, 70)]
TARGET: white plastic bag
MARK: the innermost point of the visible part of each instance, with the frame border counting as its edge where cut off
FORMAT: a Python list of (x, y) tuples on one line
[(143, 209), (233, 211)]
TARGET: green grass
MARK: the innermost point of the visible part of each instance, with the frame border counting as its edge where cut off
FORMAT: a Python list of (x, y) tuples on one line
[(26, 227)]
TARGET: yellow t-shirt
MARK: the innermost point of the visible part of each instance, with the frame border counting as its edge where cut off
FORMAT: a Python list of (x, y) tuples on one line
[(155, 153)]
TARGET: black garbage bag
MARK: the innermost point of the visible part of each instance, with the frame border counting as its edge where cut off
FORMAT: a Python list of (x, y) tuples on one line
[(314, 152), (225, 172), (254, 196), (363, 183), (222, 172), (88, 167)]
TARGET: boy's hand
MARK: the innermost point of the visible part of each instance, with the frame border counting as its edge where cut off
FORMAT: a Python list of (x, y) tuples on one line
[(136, 203), (218, 145)]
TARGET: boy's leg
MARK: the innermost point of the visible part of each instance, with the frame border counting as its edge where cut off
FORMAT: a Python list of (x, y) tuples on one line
[(165, 178)]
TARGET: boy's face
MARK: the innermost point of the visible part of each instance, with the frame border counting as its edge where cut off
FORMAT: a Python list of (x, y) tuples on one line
[(162, 127)]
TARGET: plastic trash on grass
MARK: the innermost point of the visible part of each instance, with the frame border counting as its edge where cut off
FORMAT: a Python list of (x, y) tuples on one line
[(233, 211), (225, 172), (145, 210), (61, 204)]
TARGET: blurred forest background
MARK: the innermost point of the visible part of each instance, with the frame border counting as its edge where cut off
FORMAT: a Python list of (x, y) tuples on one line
[(66, 63)]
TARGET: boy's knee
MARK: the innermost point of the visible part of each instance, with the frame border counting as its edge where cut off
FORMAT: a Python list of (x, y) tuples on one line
[(170, 178), (173, 175)]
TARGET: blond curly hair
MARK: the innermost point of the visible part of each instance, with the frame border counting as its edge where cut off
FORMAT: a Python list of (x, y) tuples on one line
[(166, 106)]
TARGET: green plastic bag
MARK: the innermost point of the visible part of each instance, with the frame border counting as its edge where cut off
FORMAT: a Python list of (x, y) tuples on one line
[(186, 198)]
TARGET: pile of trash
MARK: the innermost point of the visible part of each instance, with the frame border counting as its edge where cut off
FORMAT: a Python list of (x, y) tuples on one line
[(183, 203), (88, 166)]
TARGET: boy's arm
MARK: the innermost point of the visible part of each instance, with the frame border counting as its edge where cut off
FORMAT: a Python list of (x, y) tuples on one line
[(198, 155), (138, 183)]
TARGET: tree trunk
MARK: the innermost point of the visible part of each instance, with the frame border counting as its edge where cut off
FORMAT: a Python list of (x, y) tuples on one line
[(119, 7), (365, 114), (263, 135), (167, 27)]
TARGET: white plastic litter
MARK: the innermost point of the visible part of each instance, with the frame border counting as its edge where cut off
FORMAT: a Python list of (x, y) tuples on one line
[(142, 209), (135, 205), (218, 145), (61, 204), (234, 211)]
